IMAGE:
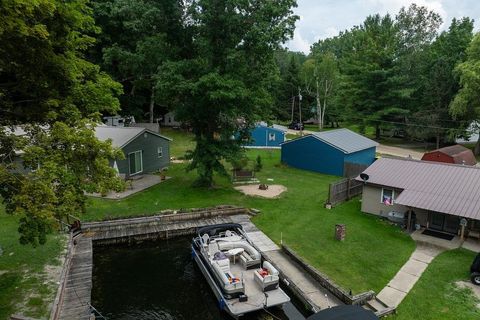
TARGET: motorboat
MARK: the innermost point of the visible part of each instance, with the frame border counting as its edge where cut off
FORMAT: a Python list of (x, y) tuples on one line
[(240, 278)]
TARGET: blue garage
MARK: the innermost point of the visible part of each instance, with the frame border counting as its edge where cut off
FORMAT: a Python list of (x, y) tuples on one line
[(329, 152), (263, 136)]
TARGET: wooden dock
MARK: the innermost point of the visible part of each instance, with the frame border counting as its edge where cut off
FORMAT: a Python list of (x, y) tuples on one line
[(76, 297)]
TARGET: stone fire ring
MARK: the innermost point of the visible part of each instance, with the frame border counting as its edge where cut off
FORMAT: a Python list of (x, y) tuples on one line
[(273, 191)]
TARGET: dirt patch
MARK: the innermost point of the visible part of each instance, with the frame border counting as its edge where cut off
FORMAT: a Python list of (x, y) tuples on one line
[(475, 289), (273, 191)]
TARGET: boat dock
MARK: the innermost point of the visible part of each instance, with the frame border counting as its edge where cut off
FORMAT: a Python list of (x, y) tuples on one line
[(73, 298), (293, 275)]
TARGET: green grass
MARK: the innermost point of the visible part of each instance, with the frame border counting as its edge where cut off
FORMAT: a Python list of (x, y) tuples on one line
[(22, 272), (182, 141), (369, 257), (435, 295)]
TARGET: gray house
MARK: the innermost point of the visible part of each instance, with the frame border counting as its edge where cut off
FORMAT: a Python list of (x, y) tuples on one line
[(440, 196), (145, 151)]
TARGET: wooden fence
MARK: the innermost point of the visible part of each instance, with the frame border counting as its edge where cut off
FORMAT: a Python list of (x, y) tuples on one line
[(344, 190)]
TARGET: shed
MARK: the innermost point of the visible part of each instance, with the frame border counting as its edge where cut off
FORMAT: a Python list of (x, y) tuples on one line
[(453, 154), (264, 136), (339, 152), (145, 151)]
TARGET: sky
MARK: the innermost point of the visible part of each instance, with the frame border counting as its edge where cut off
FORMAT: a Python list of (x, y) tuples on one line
[(320, 19)]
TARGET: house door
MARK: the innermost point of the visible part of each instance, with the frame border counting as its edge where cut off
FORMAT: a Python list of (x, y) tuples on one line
[(135, 162), (444, 222), (451, 224), (437, 221)]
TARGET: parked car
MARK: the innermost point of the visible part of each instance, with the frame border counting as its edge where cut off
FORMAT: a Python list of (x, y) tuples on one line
[(296, 126), (475, 270)]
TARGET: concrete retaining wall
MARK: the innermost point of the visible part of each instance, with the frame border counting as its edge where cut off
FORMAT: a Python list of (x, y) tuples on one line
[(328, 284)]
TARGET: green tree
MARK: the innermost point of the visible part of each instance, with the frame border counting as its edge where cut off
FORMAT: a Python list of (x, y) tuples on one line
[(224, 87), (137, 38), (440, 84), (321, 76), (466, 103), (47, 86), (370, 88)]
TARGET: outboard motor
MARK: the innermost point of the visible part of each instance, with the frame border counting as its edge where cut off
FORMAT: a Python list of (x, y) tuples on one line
[(475, 271)]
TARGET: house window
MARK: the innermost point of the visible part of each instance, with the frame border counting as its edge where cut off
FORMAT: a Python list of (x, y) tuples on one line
[(388, 196), (160, 152), (271, 136), (135, 162)]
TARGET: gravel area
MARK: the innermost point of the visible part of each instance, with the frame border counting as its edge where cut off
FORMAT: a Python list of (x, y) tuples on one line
[(273, 191)]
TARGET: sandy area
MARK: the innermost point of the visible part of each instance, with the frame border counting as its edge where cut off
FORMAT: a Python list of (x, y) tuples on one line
[(475, 289), (273, 191)]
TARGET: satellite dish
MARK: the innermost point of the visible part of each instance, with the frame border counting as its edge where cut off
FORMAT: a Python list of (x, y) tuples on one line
[(364, 177)]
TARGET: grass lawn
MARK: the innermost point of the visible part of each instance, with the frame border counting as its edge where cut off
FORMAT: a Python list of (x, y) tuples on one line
[(369, 257), (24, 287), (182, 141), (435, 295)]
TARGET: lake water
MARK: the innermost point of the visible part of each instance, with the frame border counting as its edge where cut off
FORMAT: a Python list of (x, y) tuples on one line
[(159, 280)]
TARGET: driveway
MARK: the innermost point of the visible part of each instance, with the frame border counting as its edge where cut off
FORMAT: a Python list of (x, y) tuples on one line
[(399, 152)]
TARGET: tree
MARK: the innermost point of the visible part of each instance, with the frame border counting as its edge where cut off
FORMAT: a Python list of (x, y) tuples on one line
[(224, 87), (137, 38), (467, 101), (370, 87), (321, 75), (48, 87), (440, 84)]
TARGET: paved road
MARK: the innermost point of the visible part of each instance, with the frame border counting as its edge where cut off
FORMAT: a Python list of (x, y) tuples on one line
[(399, 152)]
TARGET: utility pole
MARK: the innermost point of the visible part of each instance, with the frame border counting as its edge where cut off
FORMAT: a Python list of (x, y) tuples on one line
[(293, 107), (300, 111)]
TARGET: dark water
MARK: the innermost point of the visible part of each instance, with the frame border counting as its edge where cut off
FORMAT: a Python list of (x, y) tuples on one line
[(159, 280)]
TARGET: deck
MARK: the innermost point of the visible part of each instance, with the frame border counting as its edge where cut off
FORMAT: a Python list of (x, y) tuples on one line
[(257, 300), (76, 295)]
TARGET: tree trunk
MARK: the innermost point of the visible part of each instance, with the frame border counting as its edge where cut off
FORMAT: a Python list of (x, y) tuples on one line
[(377, 131), (476, 150), (319, 107), (152, 103), (438, 140), (324, 108)]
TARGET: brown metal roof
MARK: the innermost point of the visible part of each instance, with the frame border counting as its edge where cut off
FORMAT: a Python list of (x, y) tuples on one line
[(448, 188), (460, 154)]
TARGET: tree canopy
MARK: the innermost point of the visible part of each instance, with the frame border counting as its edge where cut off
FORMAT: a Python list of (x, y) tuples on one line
[(52, 96)]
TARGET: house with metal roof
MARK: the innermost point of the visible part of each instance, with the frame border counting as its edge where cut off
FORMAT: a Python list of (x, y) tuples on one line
[(339, 152), (145, 151), (435, 195), (264, 136), (453, 154)]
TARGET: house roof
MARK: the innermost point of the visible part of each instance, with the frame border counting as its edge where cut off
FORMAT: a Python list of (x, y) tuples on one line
[(344, 140), (121, 136), (274, 127), (436, 186), (460, 154)]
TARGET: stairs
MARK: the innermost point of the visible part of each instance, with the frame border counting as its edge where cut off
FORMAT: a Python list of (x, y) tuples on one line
[(378, 307)]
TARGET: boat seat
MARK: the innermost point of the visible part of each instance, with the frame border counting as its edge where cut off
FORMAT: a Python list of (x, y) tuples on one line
[(249, 258), (267, 277), (223, 265), (206, 239)]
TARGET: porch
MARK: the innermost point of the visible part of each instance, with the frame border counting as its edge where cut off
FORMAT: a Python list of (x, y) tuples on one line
[(471, 244)]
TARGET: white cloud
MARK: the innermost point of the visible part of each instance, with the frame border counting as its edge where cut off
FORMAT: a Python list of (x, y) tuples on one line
[(323, 19), (298, 43)]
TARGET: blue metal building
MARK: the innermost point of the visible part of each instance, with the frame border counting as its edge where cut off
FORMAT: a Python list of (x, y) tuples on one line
[(329, 151), (264, 136)]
